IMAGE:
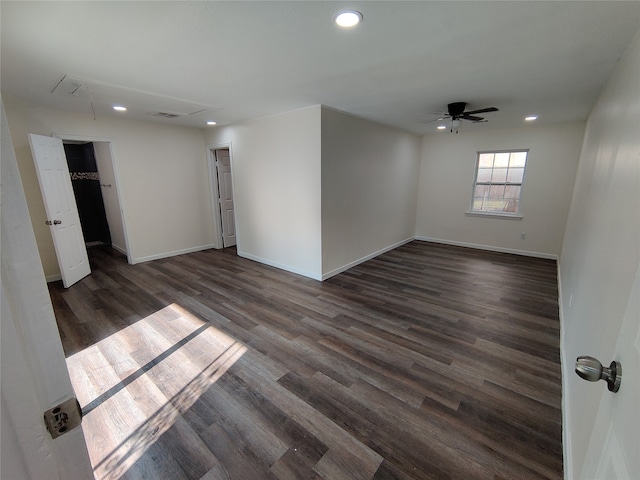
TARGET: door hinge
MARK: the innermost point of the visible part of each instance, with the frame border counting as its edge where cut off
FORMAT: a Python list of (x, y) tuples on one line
[(64, 417)]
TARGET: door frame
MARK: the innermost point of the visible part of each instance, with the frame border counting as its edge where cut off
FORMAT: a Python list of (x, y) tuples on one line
[(116, 176), (213, 188)]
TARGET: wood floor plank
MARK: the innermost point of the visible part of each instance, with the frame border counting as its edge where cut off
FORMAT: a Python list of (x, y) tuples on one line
[(427, 362)]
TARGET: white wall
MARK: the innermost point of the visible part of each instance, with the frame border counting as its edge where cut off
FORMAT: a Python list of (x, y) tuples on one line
[(600, 257), (369, 189), (446, 181), (275, 164), (163, 179)]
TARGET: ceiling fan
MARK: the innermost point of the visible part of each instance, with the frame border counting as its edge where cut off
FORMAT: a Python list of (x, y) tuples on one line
[(456, 113)]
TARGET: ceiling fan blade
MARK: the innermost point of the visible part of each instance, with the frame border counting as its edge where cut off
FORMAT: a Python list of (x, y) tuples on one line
[(472, 118), (482, 110), (439, 119)]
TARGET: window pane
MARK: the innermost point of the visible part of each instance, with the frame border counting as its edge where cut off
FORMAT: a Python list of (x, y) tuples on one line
[(484, 175), (494, 205), (511, 205), (502, 160), (477, 204), (518, 159), (485, 160), (499, 175), (515, 175), (481, 191), (512, 191), (496, 191)]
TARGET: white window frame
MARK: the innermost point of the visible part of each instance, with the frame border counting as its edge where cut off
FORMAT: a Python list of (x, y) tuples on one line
[(497, 214)]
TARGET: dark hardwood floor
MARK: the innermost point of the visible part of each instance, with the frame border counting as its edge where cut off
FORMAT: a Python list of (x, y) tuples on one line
[(427, 362)]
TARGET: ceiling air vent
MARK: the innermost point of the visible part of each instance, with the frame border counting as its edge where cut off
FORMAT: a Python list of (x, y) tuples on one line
[(165, 114)]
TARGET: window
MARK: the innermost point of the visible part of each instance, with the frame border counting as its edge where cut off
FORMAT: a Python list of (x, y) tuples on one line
[(498, 183)]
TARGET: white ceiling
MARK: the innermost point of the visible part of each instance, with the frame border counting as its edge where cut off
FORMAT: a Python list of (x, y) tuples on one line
[(241, 60)]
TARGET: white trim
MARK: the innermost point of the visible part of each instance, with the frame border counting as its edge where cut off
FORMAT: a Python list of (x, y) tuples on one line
[(365, 258), (119, 249), (219, 146), (53, 278), (566, 370), (491, 248), (213, 194), (508, 216), (172, 254), (81, 138), (281, 266), (128, 249)]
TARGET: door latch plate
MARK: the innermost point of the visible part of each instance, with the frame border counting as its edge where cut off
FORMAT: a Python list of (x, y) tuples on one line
[(64, 417)]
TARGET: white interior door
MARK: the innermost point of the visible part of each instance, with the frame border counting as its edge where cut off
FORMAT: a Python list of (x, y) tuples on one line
[(225, 200), (60, 205), (614, 448), (33, 370)]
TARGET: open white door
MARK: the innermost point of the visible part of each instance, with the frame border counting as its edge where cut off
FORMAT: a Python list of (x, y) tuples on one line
[(60, 205), (225, 190), (614, 449), (34, 375)]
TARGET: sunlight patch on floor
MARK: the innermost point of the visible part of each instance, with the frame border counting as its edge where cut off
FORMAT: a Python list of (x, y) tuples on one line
[(134, 385)]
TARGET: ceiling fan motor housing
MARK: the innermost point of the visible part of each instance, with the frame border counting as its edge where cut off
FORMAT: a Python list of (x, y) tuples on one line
[(456, 109)]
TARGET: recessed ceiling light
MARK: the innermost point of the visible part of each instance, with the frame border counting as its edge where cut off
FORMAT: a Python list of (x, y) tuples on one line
[(348, 18), (530, 118), (211, 122), (120, 108), (442, 127)]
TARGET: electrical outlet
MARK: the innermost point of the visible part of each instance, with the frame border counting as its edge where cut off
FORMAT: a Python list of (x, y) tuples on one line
[(523, 235)]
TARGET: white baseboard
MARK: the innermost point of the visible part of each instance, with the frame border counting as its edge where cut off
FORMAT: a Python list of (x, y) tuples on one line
[(170, 254), (316, 276), (490, 248), (365, 258), (281, 266), (53, 278), (118, 249)]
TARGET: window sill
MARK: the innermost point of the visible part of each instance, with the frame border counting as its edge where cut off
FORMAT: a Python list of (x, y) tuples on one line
[(507, 216)]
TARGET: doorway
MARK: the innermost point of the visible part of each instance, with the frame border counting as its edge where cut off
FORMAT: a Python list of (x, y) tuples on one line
[(54, 178), (86, 184), (105, 227), (222, 194)]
